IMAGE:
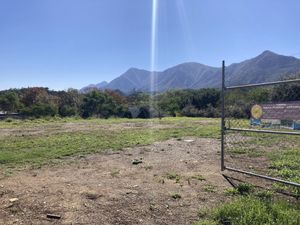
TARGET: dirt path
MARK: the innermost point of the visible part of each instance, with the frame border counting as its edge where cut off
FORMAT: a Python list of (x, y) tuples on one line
[(107, 188)]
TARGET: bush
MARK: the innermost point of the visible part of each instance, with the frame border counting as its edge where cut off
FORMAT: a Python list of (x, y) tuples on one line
[(144, 112), (38, 111), (65, 111), (190, 111)]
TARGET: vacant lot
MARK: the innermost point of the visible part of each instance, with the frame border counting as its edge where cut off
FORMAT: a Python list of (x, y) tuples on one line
[(116, 171), (177, 175)]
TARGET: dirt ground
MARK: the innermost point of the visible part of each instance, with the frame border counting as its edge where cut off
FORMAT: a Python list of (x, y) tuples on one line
[(107, 188)]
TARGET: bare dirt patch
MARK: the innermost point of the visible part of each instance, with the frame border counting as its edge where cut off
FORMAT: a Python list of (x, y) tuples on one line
[(108, 188)]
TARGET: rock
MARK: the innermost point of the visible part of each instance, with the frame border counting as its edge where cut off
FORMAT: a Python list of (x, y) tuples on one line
[(12, 200), (132, 192), (189, 140), (137, 161), (53, 216)]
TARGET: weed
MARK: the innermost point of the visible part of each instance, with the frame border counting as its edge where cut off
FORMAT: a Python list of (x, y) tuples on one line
[(264, 195), (148, 167), (244, 188), (231, 191), (197, 177), (115, 173), (175, 195), (173, 176), (209, 188)]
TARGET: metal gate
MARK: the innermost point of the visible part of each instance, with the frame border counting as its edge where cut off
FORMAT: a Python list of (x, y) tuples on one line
[(256, 135)]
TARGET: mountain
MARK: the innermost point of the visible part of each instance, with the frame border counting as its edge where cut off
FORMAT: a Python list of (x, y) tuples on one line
[(130, 80), (268, 66), (103, 84), (99, 86)]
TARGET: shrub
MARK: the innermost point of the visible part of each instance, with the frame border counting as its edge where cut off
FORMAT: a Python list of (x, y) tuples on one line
[(65, 111)]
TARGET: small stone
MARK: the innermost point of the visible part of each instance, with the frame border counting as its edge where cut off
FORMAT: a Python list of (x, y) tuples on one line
[(189, 140), (137, 161), (132, 192), (53, 216), (12, 200)]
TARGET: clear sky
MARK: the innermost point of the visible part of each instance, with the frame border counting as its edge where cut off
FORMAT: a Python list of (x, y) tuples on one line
[(72, 43)]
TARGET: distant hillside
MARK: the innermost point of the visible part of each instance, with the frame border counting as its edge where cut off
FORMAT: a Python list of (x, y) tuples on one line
[(267, 66), (101, 85)]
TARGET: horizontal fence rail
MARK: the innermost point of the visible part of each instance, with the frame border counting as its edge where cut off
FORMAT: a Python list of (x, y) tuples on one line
[(263, 84), (263, 176), (263, 131)]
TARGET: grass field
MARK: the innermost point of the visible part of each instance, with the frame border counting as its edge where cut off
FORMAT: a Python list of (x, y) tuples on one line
[(35, 143), (42, 141)]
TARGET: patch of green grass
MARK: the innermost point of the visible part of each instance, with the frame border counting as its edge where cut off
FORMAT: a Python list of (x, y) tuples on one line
[(209, 188), (47, 147), (249, 151), (173, 176), (248, 210), (264, 195), (197, 177), (286, 164), (231, 191), (240, 189), (282, 152)]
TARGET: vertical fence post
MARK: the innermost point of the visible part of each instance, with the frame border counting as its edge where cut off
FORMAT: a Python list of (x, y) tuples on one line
[(223, 117)]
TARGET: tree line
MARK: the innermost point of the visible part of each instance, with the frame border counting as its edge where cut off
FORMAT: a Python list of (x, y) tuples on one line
[(42, 102)]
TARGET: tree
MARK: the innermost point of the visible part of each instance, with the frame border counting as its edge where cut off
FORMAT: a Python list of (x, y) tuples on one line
[(100, 104), (286, 92), (9, 102)]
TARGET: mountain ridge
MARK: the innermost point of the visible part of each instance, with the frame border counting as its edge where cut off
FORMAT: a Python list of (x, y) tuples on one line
[(267, 66)]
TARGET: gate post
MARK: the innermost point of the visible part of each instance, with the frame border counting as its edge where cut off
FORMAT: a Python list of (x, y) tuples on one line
[(223, 116)]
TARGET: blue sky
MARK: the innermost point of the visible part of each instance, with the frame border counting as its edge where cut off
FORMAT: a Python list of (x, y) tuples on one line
[(72, 43)]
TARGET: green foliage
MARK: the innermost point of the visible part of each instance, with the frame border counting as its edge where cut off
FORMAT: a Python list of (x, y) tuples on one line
[(39, 110), (287, 92), (100, 104), (104, 104), (197, 177), (251, 210), (175, 195), (66, 110), (173, 176), (144, 112), (244, 188), (9, 102), (286, 164), (231, 191), (202, 102)]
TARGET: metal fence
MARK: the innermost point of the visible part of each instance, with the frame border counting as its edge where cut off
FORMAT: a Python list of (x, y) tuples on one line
[(269, 129)]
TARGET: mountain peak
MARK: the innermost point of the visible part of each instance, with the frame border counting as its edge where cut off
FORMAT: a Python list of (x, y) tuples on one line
[(132, 69), (267, 53), (102, 84)]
